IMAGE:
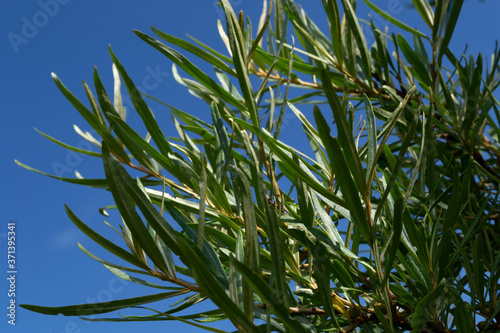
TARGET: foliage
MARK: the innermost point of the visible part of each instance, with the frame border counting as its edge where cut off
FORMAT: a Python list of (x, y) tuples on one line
[(388, 224)]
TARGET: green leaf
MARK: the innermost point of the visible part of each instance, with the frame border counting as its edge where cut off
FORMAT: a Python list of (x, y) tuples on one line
[(93, 103), (249, 216), (395, 164), (188, 302), (455, 205), (397, 229), (334, 21), (345, 136), (92, 120), (462, 315), (269, 297), (350, 15), (142, 109), (97, 308), (303, 119), (371, 141), (208, 316), (282, 63), (180, 203), (221, 139), (236, 287), (425, 10), (201, 218), (420, 316), (75, 149), (107, 263), (105, 243), (279, 18), (238, 49), (326, 220), (390, 18), (456, 7), (118, 102), (183, 319), (127, 209), (207, 56), (208, 255), (478, 256), (342, 274), (285, 97), (127, 277), (307, 214), (421, 69), (416, 169), (191, 69), (386, 132), (264, 21), (109, 111), (227, 84), (211, 50), (342, 172), (386, 326), (82, 181)]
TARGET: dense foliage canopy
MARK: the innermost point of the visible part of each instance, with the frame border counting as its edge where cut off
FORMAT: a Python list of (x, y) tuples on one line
[(388, 223)]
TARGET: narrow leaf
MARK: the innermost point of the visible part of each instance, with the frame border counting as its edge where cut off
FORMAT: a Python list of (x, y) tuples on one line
[(97, 308)]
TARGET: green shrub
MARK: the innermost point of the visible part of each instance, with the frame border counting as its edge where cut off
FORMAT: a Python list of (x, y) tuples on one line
[(389, 223)]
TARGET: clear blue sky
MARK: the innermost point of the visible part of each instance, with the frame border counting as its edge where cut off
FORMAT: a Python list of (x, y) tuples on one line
[(70, 37)]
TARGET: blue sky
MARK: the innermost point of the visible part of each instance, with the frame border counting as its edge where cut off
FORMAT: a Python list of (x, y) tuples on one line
[(69, 38)]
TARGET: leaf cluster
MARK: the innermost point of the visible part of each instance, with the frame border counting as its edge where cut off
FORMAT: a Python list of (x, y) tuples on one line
[(389, 223)]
